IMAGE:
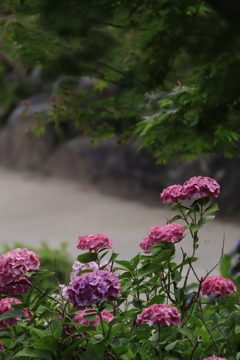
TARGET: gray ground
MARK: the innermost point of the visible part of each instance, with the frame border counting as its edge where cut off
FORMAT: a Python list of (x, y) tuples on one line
[(34, 208)]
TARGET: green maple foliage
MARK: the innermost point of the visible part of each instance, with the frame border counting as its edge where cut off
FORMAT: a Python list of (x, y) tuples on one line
[(175, 66)]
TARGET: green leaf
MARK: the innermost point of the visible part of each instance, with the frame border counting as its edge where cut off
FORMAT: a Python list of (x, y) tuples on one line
[(149, 269), (189, 334), (163, 256), (102, 327), (46, 343), (205, 219), (194, 227), (177, 217), (171, 346), (113, 257), (188, 261), (102, 253), (158, 299), (5, 334), (225, 265), (212, 208), (35, 353), (87, 257), (11, 314), (176, 276), (57, 332), (126, 265), (39, 332)]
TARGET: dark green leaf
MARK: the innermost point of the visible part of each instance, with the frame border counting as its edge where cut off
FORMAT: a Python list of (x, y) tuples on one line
[(11, 314), (225, 265), (87, 257), (35, 353)]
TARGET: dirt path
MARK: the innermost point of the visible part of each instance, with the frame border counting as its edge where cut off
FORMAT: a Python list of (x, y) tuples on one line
[(34, 208)]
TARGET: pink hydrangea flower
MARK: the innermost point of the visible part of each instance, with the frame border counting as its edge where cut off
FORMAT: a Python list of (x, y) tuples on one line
[(160, 314), (1, 346), (200, 187), (146, 244), (94, 242), (16, 288), (170, 233), (214, 358), (17, 262), (174, 193), (217, 285), (5, 306), (93, 287), (80, 317)]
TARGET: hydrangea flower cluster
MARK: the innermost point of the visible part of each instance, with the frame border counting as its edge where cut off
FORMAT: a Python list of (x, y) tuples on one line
[(196, 187), (80, 317), (91, 288), (218, 285), (5, 306), (170, 233), (94, 242), (146, 244), (77, 267), (214, 358), (16, 288), (15, 263), (160, 314)]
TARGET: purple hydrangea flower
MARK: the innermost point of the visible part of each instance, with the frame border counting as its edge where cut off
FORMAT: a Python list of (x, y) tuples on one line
[(91, 288)]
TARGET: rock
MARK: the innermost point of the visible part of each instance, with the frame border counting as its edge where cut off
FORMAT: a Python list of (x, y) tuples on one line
[(18, 148), (113, 169)]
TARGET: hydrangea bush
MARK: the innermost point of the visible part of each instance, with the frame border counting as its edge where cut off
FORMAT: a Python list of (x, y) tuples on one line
[(142, 309)]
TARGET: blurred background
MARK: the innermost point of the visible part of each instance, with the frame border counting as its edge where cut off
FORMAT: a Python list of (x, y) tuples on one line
[(102, 106)]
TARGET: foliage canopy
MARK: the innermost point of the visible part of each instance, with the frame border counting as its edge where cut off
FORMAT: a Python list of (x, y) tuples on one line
[(173, 68)]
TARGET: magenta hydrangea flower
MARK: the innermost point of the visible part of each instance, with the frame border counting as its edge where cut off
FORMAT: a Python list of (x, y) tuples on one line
[(5, 306), (94, 242), (17, 262), (214, 358), (170, 233), (91, 288), (200, 187), (1, 346), (217, 285), (174, 193), (81, 314), (16, 288), (146, 244), (160, 314)]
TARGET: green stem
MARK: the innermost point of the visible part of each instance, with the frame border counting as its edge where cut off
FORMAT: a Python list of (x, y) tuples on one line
[(101, 320), (159, 345)]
